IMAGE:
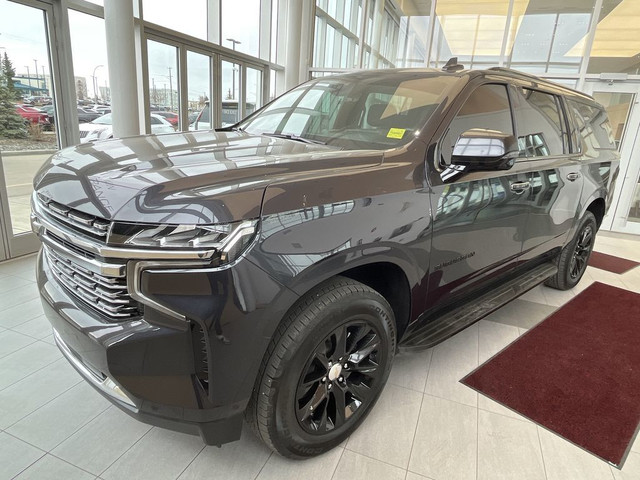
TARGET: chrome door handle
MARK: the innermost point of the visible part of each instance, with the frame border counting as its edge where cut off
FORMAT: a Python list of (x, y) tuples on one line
[(519, 187), (573, 176)]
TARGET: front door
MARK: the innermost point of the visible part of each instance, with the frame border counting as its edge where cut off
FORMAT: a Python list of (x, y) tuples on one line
[(478, 217), (621, 103)]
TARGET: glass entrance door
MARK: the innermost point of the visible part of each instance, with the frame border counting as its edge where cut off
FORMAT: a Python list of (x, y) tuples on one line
[(29, 136), (621, 102)]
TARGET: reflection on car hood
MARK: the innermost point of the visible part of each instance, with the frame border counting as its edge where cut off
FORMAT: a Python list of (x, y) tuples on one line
[(195, 177)]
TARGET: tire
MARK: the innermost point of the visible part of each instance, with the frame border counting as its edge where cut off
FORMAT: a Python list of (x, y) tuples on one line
[(296, 403), (573, 260)]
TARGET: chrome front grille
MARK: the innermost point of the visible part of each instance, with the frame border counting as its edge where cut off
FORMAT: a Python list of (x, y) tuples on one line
[(96, 226), (106, 294), (84, 133)]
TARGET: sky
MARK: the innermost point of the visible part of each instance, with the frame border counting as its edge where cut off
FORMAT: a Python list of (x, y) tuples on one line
[(23, 40)]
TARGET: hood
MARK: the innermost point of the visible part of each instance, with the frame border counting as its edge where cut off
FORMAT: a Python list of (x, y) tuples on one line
[(192, 177)]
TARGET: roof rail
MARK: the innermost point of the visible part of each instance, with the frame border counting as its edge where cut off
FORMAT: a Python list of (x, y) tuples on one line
[(452, 65), (536, 79), (516, 72)]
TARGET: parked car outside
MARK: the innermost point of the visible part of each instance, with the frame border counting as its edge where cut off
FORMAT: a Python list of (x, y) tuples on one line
[(230, 115), (50, 111), (38, 100), (102, 109), (83, 115), (102, 128), (270, 270), (170, 117), (32, 115)]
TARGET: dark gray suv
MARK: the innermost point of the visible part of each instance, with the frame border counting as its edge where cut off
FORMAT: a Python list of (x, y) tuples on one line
[(271, 270)]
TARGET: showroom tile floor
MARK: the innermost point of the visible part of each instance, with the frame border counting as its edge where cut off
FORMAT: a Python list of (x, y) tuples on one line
[(426, 424)]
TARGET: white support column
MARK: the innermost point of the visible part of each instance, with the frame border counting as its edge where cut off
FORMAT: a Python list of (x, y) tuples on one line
[(376, 34), (118, 17), (265, 29), (214, 18), (306, 39), (294, 33)]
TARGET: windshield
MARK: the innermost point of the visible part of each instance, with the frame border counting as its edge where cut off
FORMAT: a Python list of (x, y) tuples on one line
[(354, 112), (103, 120)]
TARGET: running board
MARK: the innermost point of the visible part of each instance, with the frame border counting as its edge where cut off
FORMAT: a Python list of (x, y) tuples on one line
[(437, 328)]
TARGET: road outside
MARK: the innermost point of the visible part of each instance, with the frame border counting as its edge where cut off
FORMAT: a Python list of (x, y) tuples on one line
[(19, 170)]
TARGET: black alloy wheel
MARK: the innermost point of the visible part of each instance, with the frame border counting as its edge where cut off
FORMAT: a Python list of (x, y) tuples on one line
[(324, 370), (581, 252), (338, 378), (574, 257)]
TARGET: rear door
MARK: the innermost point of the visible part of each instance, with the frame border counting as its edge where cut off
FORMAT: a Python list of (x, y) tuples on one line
[(555, 172), (478, 217)]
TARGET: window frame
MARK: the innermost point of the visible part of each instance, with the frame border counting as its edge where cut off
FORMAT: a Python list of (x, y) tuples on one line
[(447, 122), (563, 125), (601, 109), (574, 135)]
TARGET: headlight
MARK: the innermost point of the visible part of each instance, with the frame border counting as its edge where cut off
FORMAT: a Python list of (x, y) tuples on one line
[(228, 240)]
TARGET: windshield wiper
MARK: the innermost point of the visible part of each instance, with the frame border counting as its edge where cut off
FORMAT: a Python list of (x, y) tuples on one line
[(290, 136)]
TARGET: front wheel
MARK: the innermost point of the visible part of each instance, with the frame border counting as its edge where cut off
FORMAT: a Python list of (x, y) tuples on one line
[(324, 370), (574, 257)]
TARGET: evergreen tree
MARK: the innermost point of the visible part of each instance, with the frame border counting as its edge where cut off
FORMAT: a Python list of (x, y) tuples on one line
[(9, 72), (12, 125)]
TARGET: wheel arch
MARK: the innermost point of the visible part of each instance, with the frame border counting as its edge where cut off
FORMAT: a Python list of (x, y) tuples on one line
[(598, 207), (596, 203), (395, 277)]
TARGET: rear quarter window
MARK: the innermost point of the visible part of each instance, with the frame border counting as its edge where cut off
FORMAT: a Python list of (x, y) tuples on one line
[(593, 129), (539, 123)]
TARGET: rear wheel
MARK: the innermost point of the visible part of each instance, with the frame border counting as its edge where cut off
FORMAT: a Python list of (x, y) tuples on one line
[(574, 258), (324, 369)]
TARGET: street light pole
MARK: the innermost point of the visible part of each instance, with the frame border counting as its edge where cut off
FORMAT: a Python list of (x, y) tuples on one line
[(28, 78), (235, 42), (170, 89), (95, 88), (36, 72), (233, 73)]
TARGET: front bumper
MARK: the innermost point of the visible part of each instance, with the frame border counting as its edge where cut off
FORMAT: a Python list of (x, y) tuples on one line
[(151, 370)]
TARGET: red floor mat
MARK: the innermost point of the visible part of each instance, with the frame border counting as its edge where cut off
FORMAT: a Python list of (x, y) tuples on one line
[(577, 373), (611, 263)]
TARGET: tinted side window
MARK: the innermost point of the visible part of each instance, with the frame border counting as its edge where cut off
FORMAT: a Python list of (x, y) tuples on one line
[(539, 124), (594, 130), (487, 108)]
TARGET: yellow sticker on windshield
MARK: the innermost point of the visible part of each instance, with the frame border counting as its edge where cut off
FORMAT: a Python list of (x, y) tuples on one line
[(396, 133)]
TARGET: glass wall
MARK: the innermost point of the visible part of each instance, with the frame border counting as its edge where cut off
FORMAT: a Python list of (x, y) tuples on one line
[(29, 131), (91, 75), (163, 78), (253, 95), (544, 40), (241, 25), (544, 37), (198, 88), (231, 77), (471, 31), (186, 16), (616, 45), (337, 33)]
